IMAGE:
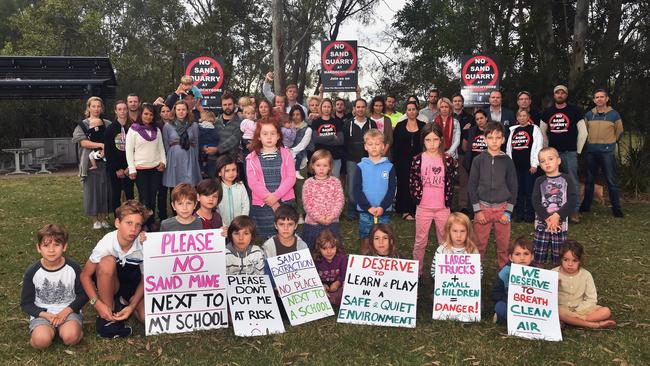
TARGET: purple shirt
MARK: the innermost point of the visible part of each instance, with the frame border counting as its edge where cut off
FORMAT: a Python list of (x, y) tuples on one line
[(333, 271)]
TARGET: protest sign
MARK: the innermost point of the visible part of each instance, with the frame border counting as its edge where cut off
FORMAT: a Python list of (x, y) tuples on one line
[(184, 281), (253, 309), (300, 287), (532, 303), (480, 75), (208, 75), (380, 291), (339, 70), (457, 291)]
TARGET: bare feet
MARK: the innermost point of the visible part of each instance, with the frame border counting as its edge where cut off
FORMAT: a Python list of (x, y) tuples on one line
[(606, 324)]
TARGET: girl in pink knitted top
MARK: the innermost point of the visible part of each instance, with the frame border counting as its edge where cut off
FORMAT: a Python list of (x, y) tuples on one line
[(322, 197)]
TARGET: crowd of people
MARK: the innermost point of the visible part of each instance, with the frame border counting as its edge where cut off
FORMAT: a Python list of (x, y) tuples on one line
[(467, 173)]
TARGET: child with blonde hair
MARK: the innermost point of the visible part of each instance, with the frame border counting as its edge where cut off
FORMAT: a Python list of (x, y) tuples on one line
[(457, 238)]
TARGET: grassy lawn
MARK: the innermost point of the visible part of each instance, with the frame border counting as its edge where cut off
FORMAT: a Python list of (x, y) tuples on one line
[(617, 254)]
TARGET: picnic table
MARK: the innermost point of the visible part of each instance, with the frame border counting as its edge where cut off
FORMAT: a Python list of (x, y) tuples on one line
[(17, 152)]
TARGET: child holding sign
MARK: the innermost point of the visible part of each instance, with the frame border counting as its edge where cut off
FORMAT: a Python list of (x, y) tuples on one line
[(234, 200), (242, 258), (431, 184), (457, 239), (286, 241), (271, 175), (374, 186), (520, 252), (322, 197), (183, 202), (383, 242), (577, 297), (331, 261), (116, 266), (52, 294)]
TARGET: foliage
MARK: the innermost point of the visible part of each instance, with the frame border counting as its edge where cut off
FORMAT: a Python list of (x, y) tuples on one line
[(616, 254), (634, 173)]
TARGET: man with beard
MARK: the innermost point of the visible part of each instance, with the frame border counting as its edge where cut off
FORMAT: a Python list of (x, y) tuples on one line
[(524, 100), (390, 111), (227, 126), (431, 110), (291, 94), (562, 125)]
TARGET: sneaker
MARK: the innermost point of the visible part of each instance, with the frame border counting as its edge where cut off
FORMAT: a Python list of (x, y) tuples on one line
[(105, 224), (574, 218), (299, 176), (617, 212), (106, 329), (97, 225)]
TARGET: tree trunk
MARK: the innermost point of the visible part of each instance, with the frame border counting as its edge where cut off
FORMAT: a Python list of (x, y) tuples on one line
[(277, 44), (542, 13), (610, 41), (577, 66)]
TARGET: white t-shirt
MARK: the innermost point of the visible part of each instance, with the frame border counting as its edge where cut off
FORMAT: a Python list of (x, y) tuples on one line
[(108, 245)]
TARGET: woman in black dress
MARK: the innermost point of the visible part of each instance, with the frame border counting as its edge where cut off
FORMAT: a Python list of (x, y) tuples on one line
[(406, 144)]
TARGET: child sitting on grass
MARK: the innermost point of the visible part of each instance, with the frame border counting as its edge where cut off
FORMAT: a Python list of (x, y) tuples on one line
[(116, 266), (285, 241), (520, 252), (52, 294), (577, 297), (383, 242), (331, 262), (242, 257), (183, 201)]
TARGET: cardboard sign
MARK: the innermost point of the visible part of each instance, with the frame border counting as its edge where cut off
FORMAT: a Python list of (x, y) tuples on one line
[(253, 309), (339, 66), (380, 291), (300, 287), (480, 75), (208, 75), (457, 291), (532, 303), (184, 281)]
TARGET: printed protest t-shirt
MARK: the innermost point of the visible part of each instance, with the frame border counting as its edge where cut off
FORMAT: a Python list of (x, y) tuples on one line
[(330, 127), (433, 182), (522, 143), (562, 127)]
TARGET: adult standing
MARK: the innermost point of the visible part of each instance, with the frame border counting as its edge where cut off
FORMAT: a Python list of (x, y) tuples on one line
[(499, 113), (563, 127), (181, 141), (145, 155), (390, 111), (228, 126), (605, 128), (291, 93), (166, 116), (115, 153), (354, 129), (450, 127), (466, 123), (431, 110), (406, 144), (383, 123), (95, 181), (133, 104), (524, 101), (328, 134)]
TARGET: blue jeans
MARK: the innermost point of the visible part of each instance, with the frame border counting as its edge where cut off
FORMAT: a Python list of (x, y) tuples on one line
[(501, 309), (607, 162), (525, 182), (570, 166), (367, 222), (336, 168)]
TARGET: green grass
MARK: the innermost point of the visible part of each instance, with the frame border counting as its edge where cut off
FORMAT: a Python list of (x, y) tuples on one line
[(617, 254)]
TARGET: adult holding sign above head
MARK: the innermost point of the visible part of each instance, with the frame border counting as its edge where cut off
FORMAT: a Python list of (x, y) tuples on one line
[(95, 181), (291, 94), (188, 96), (562, 125), (605, 129)]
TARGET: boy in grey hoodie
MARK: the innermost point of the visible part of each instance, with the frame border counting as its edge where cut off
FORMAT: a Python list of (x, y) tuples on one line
[(492, 193)]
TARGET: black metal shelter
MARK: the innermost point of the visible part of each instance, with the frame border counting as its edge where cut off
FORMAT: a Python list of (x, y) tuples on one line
[(56, 77)]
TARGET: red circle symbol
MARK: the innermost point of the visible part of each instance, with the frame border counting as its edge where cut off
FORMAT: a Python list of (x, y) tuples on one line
[(346, 53), (208, 68), (480, 72)]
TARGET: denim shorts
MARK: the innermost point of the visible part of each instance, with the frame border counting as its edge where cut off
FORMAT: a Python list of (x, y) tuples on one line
[(367, 221), (37, 322)]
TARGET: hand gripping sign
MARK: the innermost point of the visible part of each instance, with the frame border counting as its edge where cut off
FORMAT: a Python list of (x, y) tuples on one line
[(480, 75), (339, 65)]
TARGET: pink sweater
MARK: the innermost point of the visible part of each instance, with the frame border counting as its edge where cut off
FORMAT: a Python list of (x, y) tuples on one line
[(255, 178), (322, 198)]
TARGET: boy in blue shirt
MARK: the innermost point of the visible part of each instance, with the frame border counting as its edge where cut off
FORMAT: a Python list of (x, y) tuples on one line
[(374, 186), (520, 252)]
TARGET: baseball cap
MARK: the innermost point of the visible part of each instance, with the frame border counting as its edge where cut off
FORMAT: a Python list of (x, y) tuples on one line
[(561, 87)]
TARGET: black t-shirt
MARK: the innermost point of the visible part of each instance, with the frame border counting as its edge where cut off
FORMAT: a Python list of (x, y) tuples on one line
[(281, 249), (323, 128), (521, 144), (562, 127)]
